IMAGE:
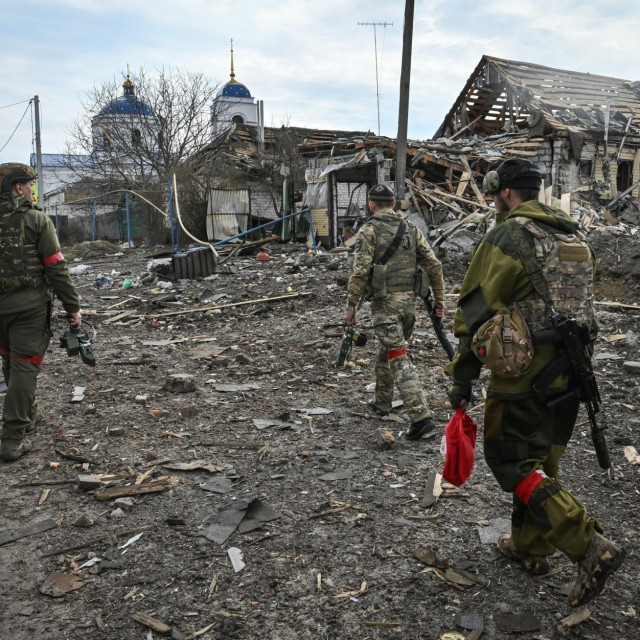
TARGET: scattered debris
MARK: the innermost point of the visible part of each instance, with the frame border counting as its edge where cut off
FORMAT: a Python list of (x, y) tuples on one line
[(57, 584), (236, 557), (153, 486), (24, 532), (576, 618)]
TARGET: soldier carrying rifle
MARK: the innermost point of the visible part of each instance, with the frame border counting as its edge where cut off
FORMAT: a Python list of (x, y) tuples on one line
[(526, 312), (393, 264)]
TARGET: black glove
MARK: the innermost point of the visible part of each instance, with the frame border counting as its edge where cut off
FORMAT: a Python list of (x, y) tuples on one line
[(459, 391)]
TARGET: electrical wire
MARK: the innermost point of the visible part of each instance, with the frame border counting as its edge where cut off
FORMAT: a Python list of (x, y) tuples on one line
[(6, 106), (19, 123)]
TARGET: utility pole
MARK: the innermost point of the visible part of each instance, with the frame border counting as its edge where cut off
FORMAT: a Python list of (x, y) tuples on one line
[(403, 111), (36, 106), (375, 44)]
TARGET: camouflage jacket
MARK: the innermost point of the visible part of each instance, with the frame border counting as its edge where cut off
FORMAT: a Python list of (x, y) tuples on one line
[(496, 279), (40, 233), (365, 252)]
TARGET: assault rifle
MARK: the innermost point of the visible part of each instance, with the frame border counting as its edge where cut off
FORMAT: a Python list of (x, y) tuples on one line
[(572, 338), (432, 306), (349, 338)]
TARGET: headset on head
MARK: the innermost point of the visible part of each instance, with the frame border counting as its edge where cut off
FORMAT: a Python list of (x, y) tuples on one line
[(506, 176)]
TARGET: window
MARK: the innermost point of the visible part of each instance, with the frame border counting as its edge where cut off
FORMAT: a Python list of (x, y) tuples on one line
[(586, 167), (136, 137), (237, 119)]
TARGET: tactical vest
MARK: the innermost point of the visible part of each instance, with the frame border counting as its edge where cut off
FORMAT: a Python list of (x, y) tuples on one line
[(567, 268), (401, 268), (20, 265)]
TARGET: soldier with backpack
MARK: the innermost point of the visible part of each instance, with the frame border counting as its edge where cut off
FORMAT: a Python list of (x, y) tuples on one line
[(533, 266)]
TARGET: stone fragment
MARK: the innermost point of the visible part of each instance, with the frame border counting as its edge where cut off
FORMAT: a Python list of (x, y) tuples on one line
[(243, 358), (631, 367), (140, 399), (85, 520), (124, 503), (180, 383), (115, 431), (116, 514), (89, 482), (384, 439)]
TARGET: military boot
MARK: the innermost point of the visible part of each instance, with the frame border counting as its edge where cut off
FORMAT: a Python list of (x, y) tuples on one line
[(601, 559), (534, 565), (12, 450), (419, 429)]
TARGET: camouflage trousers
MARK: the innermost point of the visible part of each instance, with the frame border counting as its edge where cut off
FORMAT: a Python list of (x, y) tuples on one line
[(524, 440), (24, 338), (393, 322)]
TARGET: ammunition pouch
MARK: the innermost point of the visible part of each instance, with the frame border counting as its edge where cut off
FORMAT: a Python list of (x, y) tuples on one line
[(379, 281), (504, 345)]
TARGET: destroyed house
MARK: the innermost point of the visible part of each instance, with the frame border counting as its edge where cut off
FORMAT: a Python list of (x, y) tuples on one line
[(255, 174), (582, 130)]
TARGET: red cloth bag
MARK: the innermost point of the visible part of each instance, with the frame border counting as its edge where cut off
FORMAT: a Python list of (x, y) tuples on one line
[(460, 436)]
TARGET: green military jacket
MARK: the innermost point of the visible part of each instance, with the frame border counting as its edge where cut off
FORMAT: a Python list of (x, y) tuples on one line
[(40, 234), (369, 247), (496, 278)]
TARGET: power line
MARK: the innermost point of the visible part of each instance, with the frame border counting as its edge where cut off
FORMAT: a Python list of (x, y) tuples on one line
[(6, 106), (19, 123)]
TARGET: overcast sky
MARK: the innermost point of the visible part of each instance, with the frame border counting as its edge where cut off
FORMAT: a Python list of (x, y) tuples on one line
[(309, 60)]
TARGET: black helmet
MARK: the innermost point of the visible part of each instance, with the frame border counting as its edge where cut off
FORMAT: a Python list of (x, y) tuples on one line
[(382, 194), (512, 174), (13, 172)]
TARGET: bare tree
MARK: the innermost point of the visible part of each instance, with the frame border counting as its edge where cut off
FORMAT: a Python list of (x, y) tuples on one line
[(140, 132)]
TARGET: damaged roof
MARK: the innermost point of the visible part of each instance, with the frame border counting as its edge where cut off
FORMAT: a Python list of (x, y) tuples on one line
[(502, 95), (240, 144)]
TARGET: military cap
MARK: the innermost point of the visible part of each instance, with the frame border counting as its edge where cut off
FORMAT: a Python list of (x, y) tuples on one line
[(13, 172), (513, 174), (382, 193)]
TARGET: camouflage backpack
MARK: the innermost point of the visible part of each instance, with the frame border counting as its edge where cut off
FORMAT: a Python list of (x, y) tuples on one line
[(503, 344), (561, 271)]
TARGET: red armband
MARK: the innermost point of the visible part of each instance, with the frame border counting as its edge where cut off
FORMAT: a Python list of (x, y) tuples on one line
[(54, 259)]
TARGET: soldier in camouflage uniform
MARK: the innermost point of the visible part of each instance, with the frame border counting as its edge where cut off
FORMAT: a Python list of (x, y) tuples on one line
[(30, 264), (526, 432), (393, 304)]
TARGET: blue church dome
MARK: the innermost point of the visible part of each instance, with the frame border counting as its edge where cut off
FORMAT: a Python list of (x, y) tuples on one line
[(234, 89), (126, 104)]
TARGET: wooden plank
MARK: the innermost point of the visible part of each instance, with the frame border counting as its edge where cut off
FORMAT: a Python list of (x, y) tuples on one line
[(474, 186), (149, 621), (232, 304), (465, 200), (25, 532), (154, 486), (119, 316)]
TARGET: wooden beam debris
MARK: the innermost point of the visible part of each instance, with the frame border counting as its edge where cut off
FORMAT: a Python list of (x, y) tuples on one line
[(287, 296), (154, 486)]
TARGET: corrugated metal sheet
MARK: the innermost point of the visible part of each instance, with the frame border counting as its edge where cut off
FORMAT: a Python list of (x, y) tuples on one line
[(227, 213)]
